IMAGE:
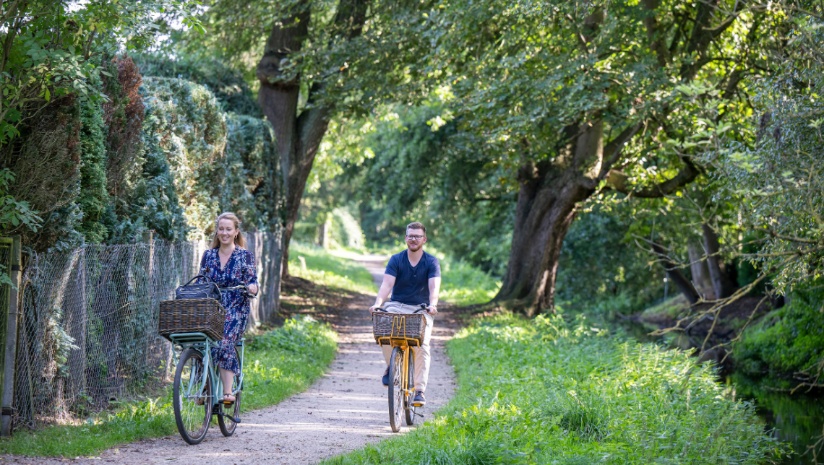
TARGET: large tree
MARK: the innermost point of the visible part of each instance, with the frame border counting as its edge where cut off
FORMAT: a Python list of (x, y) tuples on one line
[(306, 51), (566, 100)]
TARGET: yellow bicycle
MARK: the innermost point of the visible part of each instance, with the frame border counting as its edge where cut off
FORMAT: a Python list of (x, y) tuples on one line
[(402, 332)]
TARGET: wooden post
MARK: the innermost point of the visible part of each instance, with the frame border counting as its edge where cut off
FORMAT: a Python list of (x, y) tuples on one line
[(11, 340)]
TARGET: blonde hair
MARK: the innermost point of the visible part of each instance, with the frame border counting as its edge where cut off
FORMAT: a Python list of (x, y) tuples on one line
[(239, 239)]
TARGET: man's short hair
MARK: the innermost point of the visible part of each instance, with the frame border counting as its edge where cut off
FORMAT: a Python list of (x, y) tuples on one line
[(416, 225)]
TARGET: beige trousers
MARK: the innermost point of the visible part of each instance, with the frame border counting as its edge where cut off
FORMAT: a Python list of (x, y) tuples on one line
[(422, 357)]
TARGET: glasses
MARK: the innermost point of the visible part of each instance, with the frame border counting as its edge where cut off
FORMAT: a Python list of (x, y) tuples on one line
[(414, 237)]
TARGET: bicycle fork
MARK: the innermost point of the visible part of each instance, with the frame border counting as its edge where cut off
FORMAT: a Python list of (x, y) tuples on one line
[(408, 390)]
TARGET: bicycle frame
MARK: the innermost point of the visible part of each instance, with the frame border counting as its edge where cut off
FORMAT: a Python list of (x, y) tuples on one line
[(203, 344)]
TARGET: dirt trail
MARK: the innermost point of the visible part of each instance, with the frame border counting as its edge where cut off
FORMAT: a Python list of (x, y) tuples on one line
[(343, 411)]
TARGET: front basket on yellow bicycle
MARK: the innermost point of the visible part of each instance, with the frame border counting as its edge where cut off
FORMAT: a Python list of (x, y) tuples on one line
[(407, 327)]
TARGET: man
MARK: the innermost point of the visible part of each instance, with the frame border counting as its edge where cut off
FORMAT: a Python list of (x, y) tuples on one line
[(413, 277)]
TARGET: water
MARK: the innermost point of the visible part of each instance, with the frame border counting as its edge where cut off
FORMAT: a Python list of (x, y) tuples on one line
[(795, 419)]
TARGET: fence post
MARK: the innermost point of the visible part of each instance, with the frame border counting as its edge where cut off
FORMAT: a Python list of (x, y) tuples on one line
[(11, 340)]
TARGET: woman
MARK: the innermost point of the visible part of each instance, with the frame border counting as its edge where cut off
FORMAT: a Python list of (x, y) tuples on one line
[(229, 264)]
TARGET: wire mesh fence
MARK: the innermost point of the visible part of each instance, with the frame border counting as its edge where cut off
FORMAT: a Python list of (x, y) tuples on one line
[(87, 333)]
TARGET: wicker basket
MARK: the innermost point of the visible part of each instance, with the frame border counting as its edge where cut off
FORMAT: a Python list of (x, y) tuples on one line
[(405, 326), (191, 316)]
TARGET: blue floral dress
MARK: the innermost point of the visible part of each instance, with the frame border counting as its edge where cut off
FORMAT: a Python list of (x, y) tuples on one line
[(239, 270)]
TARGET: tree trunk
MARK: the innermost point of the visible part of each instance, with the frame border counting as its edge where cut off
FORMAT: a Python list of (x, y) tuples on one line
[(546, 207), (700, 272), (720, 282), (674, 274), (299, 134)]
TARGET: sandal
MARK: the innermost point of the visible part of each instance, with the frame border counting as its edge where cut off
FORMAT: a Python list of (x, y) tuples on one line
[(228, 399)]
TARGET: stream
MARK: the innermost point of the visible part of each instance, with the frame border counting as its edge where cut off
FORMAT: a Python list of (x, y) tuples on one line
[(795, 419)]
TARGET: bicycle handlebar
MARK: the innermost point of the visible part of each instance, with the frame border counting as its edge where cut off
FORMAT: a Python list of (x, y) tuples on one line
[(239, 288), (422, 308)]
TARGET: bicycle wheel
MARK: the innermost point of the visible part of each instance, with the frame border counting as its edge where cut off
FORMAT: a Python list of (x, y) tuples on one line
[(192, 400), (228, 420), (409, 390), (395, 389)]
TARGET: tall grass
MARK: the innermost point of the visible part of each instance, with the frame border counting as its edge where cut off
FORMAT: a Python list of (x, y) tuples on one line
[(279, 363), (549, 391)]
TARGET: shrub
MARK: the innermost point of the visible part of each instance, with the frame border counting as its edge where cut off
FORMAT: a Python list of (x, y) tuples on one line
[(225, 82), (185, 127), (252, 172), (786, 341)]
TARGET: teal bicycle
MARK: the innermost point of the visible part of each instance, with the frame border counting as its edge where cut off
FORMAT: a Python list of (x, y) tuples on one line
[(198, 389)]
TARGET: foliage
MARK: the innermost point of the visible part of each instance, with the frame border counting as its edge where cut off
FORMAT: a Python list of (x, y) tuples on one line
[(188, 129), (12, 211), (123, 116), (555, 391), (600, 262), (52, 49), (93, 198), (393, 170), (51, 185), (249, 166), (788, 342), (778, 178), (54, 57), (225, 82), (273, 373)]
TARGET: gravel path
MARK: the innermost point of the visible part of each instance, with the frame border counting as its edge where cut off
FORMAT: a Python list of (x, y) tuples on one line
[(343, 411)]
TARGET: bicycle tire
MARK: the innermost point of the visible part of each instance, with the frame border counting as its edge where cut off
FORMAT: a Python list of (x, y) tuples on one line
[(395, 390), (192, 418), (228, 424), (409, 392)]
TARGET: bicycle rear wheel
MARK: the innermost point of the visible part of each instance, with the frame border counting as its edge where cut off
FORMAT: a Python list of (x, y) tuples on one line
[(409, 390), (395, 389), (228, 420), (192, 399)]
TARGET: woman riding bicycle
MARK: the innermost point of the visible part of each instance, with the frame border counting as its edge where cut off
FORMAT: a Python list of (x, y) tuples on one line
[(229, 264)]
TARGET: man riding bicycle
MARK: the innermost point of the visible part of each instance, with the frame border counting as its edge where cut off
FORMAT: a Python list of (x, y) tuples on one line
[(412, 277)]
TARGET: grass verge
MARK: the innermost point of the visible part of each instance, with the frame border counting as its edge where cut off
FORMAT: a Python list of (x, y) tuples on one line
[(319, 266), (464, 285), (562, 392), (279, 363)]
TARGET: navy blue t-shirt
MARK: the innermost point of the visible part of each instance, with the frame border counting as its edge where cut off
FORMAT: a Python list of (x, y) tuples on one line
[(412, 283)]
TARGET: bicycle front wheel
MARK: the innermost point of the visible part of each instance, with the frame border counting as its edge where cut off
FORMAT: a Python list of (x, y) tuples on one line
[(229, 416), (409, 389), (192, 399), (395, 389)]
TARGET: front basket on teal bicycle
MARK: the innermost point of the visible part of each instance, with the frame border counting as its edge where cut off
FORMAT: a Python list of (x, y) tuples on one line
[(404, 326), (191, 316)]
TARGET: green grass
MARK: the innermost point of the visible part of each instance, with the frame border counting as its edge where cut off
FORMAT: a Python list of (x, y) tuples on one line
[(279, 363), (548, 391), (320, 267), (462, 284)]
